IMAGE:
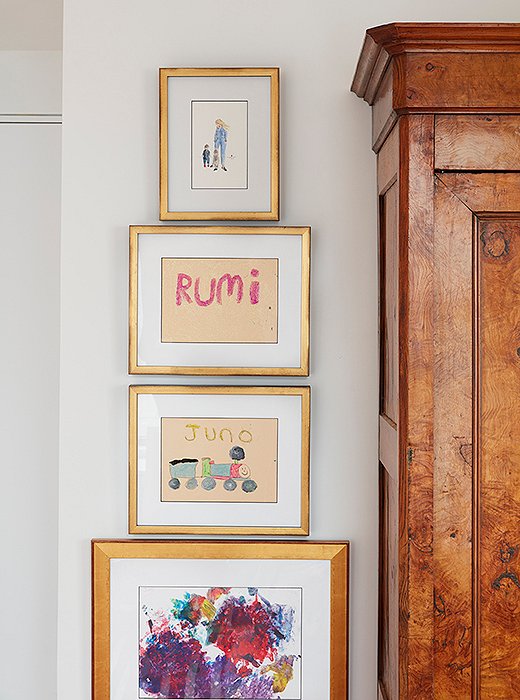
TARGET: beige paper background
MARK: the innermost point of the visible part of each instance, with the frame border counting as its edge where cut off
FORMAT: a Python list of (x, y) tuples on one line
[(261, 457), (229, 322)]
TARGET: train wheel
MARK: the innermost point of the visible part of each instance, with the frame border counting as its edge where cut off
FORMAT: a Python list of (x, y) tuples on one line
[(208, 483), (192, 484), (249, 485), (174, 483), (230, 484)]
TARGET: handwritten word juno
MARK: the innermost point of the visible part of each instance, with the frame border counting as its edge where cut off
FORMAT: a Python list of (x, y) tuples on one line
[(231, 285), (244, 436)]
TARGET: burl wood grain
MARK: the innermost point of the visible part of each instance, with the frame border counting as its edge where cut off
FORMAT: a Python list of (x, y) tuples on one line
[(452, 429), (439, 81), (477, 142), (482, 192), (455, 91), (416, 406), (499, 536)]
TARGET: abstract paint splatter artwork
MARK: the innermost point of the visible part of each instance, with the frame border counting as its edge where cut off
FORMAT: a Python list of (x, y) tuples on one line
[(220, 643)]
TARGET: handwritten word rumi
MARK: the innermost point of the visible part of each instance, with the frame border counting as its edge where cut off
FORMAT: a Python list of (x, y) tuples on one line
[(189, 291)]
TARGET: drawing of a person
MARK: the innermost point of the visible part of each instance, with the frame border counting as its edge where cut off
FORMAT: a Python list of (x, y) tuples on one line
[(205, 156), (215, 160), (220, 141)]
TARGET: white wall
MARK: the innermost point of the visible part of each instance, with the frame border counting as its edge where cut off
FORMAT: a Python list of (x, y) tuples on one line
[(30, 84), (112, 50), (31, 25), (30, 165)]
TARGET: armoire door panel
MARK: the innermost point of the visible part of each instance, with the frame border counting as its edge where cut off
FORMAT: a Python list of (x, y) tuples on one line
[(498, 485), (477, 367), (452, 449)]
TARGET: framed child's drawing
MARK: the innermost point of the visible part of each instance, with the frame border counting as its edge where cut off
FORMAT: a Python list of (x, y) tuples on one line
[(219, 619), (219, 143), (219, 300), (219, 459)]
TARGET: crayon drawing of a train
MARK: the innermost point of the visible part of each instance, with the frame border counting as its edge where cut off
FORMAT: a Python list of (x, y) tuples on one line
[(190, 471)]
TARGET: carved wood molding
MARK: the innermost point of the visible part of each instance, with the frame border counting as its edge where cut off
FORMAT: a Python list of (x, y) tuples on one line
[(430, 60)]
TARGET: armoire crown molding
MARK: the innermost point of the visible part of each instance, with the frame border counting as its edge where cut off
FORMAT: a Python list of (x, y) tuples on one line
[(407, 68)]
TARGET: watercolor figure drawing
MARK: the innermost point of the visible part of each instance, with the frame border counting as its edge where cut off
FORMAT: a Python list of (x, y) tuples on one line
[(219, 144), (220, 643)]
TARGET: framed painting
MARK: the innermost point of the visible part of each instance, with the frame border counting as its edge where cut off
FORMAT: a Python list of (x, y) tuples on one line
[(219, 143), (219, 619), (219, 300), (219, 460)]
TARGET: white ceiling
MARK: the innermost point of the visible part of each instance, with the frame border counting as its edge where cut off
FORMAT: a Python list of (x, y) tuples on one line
[(31, 25)]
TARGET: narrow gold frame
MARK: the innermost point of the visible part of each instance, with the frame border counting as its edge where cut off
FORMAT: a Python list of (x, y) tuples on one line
[(105, 550), (135, 529), (165, 214), (301, 371)]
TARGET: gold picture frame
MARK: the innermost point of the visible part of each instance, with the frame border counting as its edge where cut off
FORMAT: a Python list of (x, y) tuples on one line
[(303, 290), (104, 595), (167, 213), (301, 466)]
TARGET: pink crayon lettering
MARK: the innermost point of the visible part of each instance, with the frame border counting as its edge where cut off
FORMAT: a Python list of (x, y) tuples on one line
[(254, 288), (183, 284), (233, 285), (209, 300), (230, 287)]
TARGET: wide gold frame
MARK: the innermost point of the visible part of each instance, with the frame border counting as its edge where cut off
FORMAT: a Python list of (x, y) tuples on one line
[(135, 529), (301, 371), (105, 550), (165, 214)]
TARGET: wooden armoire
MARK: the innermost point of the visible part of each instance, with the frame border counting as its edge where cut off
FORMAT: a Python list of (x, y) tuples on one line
[(446, 129)]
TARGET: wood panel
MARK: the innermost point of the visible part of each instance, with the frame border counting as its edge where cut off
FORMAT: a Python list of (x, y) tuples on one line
[(481, 192), (388, 161), (383, 115), (388, 325), (477, 142), (436, 81), (416, 407), (452, 429), (499, 468), (389, 603), (388, 641), (458, 424)]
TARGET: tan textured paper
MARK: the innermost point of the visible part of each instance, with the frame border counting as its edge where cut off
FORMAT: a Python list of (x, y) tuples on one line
[(219, 300), (253, 467)]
